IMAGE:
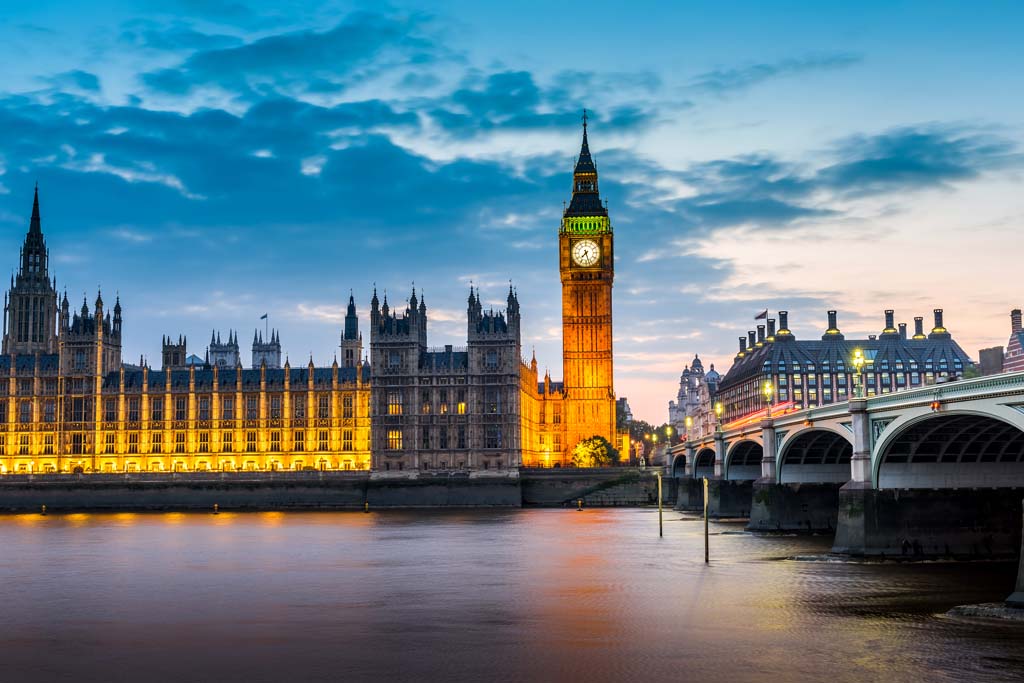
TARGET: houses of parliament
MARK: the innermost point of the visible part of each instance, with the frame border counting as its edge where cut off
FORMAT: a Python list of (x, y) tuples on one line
[(70, 404)]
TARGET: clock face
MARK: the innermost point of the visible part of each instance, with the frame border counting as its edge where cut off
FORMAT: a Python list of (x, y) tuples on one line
[(586, 253)]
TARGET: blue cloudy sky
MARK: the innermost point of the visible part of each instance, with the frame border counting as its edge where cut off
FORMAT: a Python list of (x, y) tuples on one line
[(212, 160)]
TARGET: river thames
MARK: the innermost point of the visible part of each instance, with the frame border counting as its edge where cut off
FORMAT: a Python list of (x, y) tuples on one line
[(519, 595)]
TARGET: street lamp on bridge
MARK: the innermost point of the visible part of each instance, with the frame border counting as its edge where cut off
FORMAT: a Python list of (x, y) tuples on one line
[(769, 390), (858, 379)]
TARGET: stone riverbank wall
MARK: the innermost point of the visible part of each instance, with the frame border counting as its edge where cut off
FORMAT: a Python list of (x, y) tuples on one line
[(328, 490)]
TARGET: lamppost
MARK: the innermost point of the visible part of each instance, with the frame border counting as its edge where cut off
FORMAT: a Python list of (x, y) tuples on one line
[(689, 425), (719, 410), (858, 379), (768, 391)]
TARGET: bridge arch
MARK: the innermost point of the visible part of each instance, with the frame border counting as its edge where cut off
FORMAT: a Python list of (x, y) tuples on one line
[(704, 463), (950, 449), (743, 461), (815, 455), (679, 466)]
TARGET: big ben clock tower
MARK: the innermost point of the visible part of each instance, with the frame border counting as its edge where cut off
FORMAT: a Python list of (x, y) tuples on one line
[(587, 266)]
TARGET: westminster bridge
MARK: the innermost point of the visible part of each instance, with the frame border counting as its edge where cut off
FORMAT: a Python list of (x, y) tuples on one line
[(934, 471)]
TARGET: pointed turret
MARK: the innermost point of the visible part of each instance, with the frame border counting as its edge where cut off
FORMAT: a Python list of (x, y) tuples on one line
[(35, 226), (586, 199)]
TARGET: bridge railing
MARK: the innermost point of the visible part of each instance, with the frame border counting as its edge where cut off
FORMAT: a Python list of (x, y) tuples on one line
[(1008, 382)]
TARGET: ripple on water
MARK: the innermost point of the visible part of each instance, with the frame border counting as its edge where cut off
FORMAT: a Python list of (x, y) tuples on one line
[(524, 595)]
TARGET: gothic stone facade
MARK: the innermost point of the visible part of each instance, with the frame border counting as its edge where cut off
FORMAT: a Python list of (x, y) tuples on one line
[(69, 403)]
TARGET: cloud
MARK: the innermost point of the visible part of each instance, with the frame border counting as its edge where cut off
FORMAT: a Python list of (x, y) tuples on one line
[(75, 80), (176, 37), (725, 81), (360, 45), (513, 100), (915, 157)]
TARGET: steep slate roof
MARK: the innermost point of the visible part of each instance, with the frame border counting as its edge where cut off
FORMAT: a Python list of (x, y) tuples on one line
[(837, 353)]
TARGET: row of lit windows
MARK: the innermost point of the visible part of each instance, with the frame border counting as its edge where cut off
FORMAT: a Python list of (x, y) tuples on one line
[(880, 365), (180, 466), (179, 444), (441, 438), (80, 408)]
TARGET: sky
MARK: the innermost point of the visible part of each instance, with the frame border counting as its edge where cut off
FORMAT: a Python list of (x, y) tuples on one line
[(210, 161)]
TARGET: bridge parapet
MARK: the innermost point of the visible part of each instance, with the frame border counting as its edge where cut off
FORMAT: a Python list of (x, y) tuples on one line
[(991, 386)]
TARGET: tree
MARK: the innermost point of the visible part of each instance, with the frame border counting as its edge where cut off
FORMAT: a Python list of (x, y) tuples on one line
[(595, 451)]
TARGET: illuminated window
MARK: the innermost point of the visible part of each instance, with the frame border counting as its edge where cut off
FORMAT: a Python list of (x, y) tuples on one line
[(492, 400), (204, 442), (300, 440), (158, 442), (227, 441), (443, 402), (275, 442), (133, 443), (425, 401), (493, 437), (48, 444), (179, 442), (109, 443), (324, 444), (346, 406), (23, 445), (394, 403), (394, 439), (250, 442), (346, 440)]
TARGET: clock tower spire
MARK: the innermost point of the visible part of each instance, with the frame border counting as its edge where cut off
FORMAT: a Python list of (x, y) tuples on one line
[(587, 268)]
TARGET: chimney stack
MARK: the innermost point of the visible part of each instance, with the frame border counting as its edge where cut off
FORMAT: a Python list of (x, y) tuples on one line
[(751, 338), (903, 330), (889, 320), (918, 327), (1015, 320), (760, 335), (784, 324), (743, 345), (771, 329), (939, 328)]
